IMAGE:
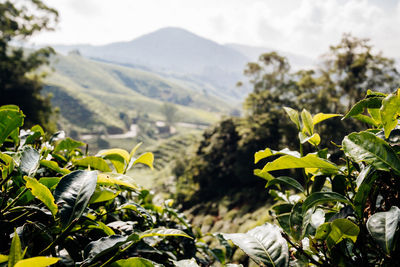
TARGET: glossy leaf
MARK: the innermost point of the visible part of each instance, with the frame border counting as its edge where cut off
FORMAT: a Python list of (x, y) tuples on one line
[(118, 157), (135, 262), (290, 162), (116, 151), (323, 197), (73, 193), (29, 161), (293, 115), (42, 193), (358, 108), (37, 262), (285, 180), (382, 227), (365, 146), (390, 111), (264, 244), (102, 246), (11, 118), (366, 182), (112, 179), (186, 263), (320, 117)]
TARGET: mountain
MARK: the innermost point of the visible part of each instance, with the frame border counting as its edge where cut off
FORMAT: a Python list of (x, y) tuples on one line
[(177, 52), (253, 52), (90, 93)]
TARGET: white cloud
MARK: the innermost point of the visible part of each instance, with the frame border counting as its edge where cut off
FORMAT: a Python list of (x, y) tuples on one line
[(301, 26)]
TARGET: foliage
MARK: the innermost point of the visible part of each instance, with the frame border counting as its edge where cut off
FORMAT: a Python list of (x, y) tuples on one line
[(18, 84), (350, 64), (342, 214), (60, 205)]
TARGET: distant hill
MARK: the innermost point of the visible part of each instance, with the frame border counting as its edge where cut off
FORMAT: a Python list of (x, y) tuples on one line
[(175, 51), (91, 93)]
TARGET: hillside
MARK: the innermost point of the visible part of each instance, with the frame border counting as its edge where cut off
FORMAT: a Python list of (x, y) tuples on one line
[(177, 52), (91, 93)]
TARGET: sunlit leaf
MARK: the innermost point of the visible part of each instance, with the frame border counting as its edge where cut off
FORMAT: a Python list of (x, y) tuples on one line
[(136, 262), (52, 165), (320, 117), (146, 158), (390, 111), (42, 193), (11, 118), (365, 146), (112, 179), (37, 262), (68, 145), (264, 244), (306, 118), (293, 115), (285, 180), (15, 250), (290, 162), (103, 194), (358, 108)]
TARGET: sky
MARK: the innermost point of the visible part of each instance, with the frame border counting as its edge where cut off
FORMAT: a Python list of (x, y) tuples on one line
[(305, 27)]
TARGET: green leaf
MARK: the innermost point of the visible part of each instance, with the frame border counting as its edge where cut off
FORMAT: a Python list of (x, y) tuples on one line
[(308, 126), (358, 108), (15, 250), (11, 118), (68, 145), (320, 117), (293, 115), (375, 115), (29, 161), (112, 179), (103, 194), (146, 158), (163, 232), (133, 151), (286, 181), (52, 165), (42, 193), (290, 162), (296, 221), (365, 146), (6, 165), (366, 119), (341, 229), (135, 262), (262, 154), (102, 246), (390, 111), (50, 182), (94, 163), (323, 197), (314, 139), (323, 231), (264, 244), (382, 227), (73, 193), (37, 262), (118, 157)]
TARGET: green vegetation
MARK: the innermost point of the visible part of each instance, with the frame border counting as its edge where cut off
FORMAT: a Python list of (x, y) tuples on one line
[(18, 84), (341, 215), (100, 92), (60, 205)]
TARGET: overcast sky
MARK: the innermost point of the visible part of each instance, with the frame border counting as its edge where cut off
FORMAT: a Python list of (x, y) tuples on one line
[(304, 27)]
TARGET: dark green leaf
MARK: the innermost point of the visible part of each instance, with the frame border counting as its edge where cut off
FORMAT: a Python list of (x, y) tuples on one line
[(367, 180), (339, 184), (134, 262), (286, 181), (365, 146), (382, 226), (264, 244), (323, 197), (358, 108), (104, 245), (318, 183), (341, 229), (73, 193), (296, 221)]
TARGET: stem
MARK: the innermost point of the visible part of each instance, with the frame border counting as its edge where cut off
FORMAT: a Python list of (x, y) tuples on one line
[(22, 215), (61, 236), (349, 176), (14, 201), (300, 249)]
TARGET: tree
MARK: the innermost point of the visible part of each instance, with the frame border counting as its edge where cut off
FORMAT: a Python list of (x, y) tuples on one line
[(169, 111), (19, 84)]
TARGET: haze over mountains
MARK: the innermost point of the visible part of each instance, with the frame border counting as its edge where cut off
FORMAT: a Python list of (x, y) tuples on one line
[(178, 52)]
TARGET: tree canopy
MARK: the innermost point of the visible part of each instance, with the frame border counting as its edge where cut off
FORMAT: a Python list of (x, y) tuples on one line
[(19, 83)]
